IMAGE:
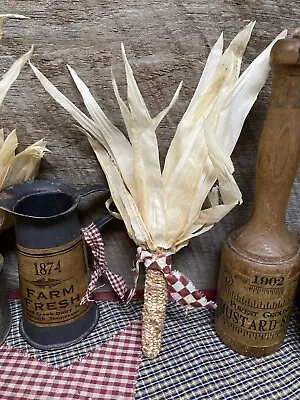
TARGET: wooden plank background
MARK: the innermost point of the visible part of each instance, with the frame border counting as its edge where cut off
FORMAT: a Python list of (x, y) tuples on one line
[(166, 42)]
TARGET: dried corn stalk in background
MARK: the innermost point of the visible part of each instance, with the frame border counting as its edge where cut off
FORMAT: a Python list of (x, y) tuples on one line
[(23, 166), (162, 211)]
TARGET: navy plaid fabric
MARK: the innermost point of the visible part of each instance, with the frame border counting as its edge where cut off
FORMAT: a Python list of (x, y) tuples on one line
[(193, 363)]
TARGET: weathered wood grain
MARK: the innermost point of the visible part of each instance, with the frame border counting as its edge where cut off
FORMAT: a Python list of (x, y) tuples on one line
[(166, 42)]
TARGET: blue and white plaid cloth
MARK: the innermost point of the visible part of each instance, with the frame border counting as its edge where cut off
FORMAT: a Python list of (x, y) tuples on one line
[(193, 363)]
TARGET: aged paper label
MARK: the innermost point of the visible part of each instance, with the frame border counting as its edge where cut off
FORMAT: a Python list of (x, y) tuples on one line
[(52, 283), (255, 310)]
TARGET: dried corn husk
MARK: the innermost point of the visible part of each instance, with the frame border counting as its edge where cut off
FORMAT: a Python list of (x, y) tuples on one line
[(23, 166), (5, 17), (17, 168), (162, 211)]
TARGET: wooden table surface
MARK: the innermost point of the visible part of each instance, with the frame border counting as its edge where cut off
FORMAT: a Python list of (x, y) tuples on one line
[(166, 42)]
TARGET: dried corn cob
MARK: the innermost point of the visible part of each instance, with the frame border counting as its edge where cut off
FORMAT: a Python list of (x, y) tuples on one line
[(154, 311)]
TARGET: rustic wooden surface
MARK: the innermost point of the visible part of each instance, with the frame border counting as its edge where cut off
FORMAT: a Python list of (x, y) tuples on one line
[(166, 42)]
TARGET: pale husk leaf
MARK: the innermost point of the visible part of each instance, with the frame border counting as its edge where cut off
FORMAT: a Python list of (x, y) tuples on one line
[(116, 183), (225, 74), (237, 104), (5, 17), (24, 166), (8, 148), (165, 211), (17, 168), (243, 95), (210, 67), (122, 198), (11, 75), (236, 107), (115, 140), (147, 171), (79, 116), (7, 154), (181, 188), (1, 137)]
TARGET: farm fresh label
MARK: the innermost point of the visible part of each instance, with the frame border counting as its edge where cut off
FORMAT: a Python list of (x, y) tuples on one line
[(52, 283)]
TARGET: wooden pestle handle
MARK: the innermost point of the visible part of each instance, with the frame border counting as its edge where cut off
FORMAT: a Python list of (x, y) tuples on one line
[(266, 235), (279, 147)]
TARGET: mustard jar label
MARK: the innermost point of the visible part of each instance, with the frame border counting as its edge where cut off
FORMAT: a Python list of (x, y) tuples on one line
[(52, 283), (255, 309)]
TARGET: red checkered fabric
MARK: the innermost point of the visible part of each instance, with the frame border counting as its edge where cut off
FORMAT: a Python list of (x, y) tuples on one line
[(94, 239), (180, 288), (109, 373)]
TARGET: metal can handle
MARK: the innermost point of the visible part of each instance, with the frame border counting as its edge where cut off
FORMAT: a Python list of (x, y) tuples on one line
[(86, 190)]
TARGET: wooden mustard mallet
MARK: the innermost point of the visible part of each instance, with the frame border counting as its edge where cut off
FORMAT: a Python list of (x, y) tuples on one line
[(260, 261)]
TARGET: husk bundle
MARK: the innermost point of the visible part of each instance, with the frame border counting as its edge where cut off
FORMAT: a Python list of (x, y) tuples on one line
[(162, 211), (23, 166)]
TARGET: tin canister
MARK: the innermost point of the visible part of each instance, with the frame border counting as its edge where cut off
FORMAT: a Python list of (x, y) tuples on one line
[(52, 262)]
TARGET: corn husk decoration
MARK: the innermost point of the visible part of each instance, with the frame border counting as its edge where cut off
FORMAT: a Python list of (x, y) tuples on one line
[(5, 17), (23, 166), (162, 211)]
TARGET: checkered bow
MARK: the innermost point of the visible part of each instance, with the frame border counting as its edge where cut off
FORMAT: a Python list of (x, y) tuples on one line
[(94, 239), (180, 288)]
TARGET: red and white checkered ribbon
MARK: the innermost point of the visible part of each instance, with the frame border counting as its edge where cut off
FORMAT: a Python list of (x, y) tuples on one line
[(180, 288), (94, 239)]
